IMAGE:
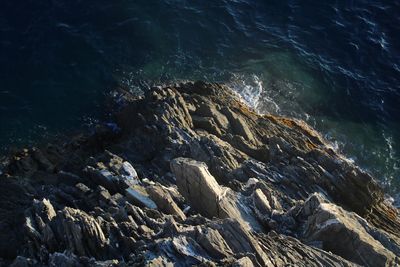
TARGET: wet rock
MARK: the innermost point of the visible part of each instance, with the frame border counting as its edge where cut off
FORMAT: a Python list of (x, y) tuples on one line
[(42, 161), (23, 262)]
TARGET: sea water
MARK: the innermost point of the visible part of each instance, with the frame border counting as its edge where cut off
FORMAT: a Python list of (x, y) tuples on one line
[(335, 64)]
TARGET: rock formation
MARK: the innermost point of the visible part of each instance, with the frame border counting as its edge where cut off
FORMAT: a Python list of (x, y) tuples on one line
[(189, 175)]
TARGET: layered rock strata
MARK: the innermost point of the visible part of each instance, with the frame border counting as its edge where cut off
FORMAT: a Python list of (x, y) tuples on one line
[(189, 175)]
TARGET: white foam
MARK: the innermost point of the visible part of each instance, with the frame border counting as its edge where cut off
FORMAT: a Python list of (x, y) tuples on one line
[(252, 91)]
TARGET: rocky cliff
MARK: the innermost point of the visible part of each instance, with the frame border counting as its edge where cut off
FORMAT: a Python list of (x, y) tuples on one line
[(189, 175)]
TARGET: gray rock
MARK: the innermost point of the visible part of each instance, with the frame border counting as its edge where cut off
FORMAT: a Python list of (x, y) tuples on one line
[(138, 196), (239, 125), (212, 241), (82, 232), (261, 190), (104, 178), (129, 171), (164, 201), (261, 203), (311, 204), (243, 262), (63, 260), (341, 232), (23, 262), (206, 196)]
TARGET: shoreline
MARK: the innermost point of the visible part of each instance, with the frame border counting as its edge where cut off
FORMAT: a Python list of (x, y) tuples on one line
[(189, 171)]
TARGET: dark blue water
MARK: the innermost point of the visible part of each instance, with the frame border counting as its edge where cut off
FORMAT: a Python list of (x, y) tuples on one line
[(335, 64)]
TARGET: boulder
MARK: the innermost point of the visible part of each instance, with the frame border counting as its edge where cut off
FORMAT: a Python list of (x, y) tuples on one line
[(200, 188), (206, 196), (342, 233), (104, 178), (243, 262), (261, 203), (165, 202), (138, 196), (212, 241), (124, 177), (128, 171)]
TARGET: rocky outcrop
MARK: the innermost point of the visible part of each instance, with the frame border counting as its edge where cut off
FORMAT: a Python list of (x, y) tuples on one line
[(189, 175)]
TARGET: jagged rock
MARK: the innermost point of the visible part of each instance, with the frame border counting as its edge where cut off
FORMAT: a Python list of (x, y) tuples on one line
[(44, 210), (117, 177), (212, 241), (241, 241), (139, 196), (206, 123), (188, 248), (121, 168), (198, 187), (159, 262), (311, 204), (206, 196), (245, 190), (83, 233), (23, 262), (104, 178), (261, 203), (129, 171), (284, 250), (239, 125), (84, 189), (342, 233), (63, 260), (69, 178), (164, 201), (243, 262)]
